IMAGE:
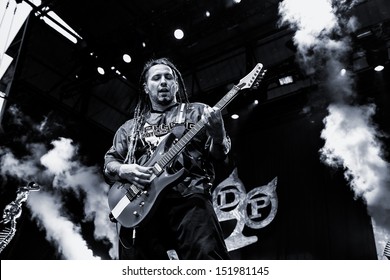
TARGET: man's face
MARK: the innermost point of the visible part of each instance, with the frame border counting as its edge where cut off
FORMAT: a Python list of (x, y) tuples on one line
[(161, 85)]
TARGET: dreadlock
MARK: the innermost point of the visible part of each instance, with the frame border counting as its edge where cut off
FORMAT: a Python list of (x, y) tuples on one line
[(143, 105)]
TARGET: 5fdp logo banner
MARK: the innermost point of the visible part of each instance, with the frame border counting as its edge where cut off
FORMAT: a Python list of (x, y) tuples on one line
[(255, 209)]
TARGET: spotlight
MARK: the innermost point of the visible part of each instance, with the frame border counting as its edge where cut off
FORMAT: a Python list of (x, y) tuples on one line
[(235, 116), (237, 1), (377, 57), (208, 14), (256, 102), (126, 58), (58, 24), (101, 70), (379, 68), (144, 44), (179, 34), (343, 72)]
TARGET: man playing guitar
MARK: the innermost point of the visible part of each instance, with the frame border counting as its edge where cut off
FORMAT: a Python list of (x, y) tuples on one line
[(183, 219)]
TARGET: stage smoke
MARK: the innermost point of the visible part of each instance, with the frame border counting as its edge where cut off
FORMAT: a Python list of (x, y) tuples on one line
[(65, 235), (61, 174), (352, 142)]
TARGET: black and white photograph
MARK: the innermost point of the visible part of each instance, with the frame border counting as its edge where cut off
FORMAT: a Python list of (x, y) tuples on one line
[(234, 130)]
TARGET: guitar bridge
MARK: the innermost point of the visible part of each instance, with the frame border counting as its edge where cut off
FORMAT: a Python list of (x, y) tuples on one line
[(133, 192)]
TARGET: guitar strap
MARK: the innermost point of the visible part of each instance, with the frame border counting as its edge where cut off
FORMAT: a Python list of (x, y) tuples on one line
[(180, 118)]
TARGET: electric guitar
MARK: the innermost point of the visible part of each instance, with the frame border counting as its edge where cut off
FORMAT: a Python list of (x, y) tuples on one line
[(131, 205)]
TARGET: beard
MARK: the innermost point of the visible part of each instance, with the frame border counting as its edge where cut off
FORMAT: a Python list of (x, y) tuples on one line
[(162, 99), (165, 99)]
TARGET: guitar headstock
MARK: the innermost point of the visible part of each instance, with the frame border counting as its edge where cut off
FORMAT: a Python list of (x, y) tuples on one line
[(253, 79)]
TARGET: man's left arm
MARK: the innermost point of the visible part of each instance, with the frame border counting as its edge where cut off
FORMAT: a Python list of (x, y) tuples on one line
[(215, 129), (220, 148)]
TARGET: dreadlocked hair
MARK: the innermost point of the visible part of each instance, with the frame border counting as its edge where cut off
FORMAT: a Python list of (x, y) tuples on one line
[(143, 105)]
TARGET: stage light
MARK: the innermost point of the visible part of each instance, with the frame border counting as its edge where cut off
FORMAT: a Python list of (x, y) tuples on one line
[(112, 67), (101, 70), (208, 14), (55, 22), (256, 102), (144, 44), (286, 80), (363, 34), (375, 46), (235, 116), (343, 72), (179, 34), (377, 57), (126, 58), (237, 1), (379, 68)]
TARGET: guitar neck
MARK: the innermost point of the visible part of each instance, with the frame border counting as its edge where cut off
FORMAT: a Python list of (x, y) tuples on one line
[(180, 145)]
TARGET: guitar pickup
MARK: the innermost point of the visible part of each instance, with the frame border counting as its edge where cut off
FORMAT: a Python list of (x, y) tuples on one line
[(157, 169)]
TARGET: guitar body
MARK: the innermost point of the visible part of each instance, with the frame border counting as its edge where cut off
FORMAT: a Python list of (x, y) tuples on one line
[(143, 205)]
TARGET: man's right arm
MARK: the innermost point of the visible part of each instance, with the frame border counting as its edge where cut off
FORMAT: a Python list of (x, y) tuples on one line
[(115, 165), (111, 171), (115, 156)]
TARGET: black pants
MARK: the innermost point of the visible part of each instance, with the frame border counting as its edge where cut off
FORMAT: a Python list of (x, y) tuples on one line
[(187, 225)]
